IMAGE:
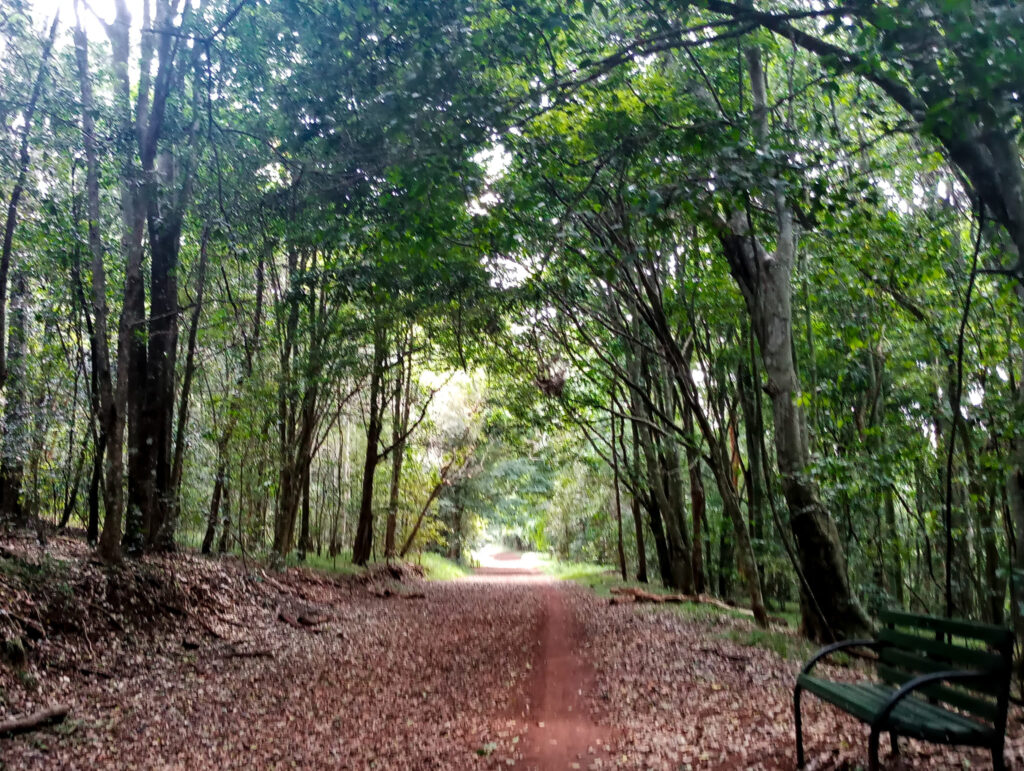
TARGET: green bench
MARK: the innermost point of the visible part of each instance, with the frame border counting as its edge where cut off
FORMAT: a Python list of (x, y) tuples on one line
[(942, 680)]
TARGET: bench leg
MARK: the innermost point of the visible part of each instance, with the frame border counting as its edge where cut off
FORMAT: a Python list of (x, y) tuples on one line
[(895, 739), (998, 764), (799, 728), (873, 750)]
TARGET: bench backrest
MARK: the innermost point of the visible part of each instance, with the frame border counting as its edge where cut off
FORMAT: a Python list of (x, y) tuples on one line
[(919, 644)]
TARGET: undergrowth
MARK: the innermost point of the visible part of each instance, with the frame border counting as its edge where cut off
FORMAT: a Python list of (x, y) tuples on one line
[(582, 572), (440, 568), (341, 564), (436, 567), (602, 579)]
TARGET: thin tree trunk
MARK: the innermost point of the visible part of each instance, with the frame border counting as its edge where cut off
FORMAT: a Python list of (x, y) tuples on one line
[(305, 544), (680, 574), (225, 529), (17, 431), (698, 502), (436, 491), (399, 427), (615, 486), (214, 512), (363, 546), (11, 221), (633, 467), (166, 537), (111, 414), (71, 500)]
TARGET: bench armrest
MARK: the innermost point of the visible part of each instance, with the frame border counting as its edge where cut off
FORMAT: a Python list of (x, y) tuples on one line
[(830, 649), (918, 682)]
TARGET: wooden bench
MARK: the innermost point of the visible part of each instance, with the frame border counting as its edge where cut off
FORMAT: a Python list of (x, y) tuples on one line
[(942, 680)]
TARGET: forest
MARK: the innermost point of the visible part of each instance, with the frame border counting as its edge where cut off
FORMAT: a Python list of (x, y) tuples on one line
[(719, 300)]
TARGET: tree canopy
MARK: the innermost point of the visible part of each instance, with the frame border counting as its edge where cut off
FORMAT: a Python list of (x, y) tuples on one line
[(728, 295)]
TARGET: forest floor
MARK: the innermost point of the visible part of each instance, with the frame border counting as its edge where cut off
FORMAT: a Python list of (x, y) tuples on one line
[(185, 662)]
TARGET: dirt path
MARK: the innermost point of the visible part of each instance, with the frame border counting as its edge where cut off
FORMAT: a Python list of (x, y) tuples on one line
[(560, 732), (564, 735), (507, 669)]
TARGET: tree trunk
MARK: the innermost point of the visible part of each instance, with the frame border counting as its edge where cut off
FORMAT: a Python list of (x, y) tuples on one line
[(765, 282), (165, 537), (363, 546), (225, 529), (653, 515), (615, 485), (11, 221), (399, 427), (214, 513), (632, 466), (678, 565), (17, 432), (1015, 509), (717, 452), (111, 412), (698, 502), (641, 549), (132, 330), (305, 544), (92, 531), (164, 239)]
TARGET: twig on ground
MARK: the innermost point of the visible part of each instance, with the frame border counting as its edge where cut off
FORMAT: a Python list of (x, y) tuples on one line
[(27, 723)]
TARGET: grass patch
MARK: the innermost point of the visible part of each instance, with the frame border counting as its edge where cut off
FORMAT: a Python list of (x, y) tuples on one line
[(791, 612), (602, 579), (436, 567), (705, 612), (341, 564), (787, 646), (582, 572), (439, 568)]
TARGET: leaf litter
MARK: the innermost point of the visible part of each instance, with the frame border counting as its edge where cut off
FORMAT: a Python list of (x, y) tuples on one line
[(187, 662)]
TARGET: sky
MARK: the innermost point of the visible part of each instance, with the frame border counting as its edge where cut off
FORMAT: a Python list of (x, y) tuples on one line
[(43, 11)]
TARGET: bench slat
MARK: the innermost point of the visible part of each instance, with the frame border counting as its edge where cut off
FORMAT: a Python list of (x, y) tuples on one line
[(974, 705), (916, 707), (922, 665), (965, 657), (912, 717), (996, 636)]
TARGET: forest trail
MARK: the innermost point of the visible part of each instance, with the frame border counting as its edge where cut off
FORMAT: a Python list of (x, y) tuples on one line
[(565, 735), (505, 669), (560, 732)]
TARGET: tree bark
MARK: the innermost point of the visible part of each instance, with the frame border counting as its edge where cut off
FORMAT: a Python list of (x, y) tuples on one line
[(214, 512), (225, 529), (765, 281), (305, 544), (11, 221), (399, 428), (615, 486), (17, 431), (111, 402), (698, 503), (132, 330), (363, 545), (165, 537), (679, 571)]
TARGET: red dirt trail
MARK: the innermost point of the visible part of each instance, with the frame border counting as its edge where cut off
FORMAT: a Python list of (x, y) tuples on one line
[(564, 734), (560, 733), (506, 669)]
